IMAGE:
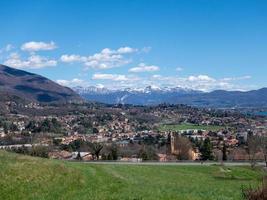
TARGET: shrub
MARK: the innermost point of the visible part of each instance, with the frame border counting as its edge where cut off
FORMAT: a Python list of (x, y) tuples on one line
[(259, 193)]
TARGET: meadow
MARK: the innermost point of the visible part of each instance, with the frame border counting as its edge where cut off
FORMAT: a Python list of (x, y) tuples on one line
[(24, 177)]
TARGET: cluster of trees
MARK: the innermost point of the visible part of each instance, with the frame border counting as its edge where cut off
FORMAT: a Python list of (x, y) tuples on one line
[(111, 151), (184, 147), (81, 145), (8, 125), (148, 152), (38, 151), (47, 125)]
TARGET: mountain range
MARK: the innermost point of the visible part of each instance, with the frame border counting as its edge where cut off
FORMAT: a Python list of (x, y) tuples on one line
[(19, 84), (152, 96)]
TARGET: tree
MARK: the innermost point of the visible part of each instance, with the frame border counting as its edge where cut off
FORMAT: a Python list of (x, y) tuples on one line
[(95, 130), (183, 148), (264, 148), (206, 150), (6, 127), (31, 126), (13, 127), (147, 152), (110, 152), (113, 152), (224, 152), (253, 147), (39, 151), (96, 149), (76, 145), (79, 157)]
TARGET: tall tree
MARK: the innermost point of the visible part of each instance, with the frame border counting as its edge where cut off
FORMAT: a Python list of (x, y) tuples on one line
[(206, 150), (224, 152), (183, 148)]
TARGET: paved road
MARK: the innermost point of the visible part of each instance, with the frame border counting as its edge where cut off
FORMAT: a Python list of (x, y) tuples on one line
[(173, 163)]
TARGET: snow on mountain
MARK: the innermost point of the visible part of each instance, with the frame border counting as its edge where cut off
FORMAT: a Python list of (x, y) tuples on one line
[(148, 89)]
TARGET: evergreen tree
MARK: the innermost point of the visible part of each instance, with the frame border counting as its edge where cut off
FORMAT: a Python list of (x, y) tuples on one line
[(206, 150)]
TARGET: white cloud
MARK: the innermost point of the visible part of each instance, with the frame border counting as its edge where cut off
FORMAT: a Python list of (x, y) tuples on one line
[(144, 68), (113, 77), (236, 78), (72, 83), (124, 50), (32, 62), (105, 59), (38, 46), (197, 82), (201, 78), (72, 58)]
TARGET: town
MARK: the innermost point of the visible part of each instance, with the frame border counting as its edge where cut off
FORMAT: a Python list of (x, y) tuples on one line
[(94, 131)]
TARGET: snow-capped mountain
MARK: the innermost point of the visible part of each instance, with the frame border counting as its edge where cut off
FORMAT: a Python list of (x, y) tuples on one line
[(140, 96), (152, 95)]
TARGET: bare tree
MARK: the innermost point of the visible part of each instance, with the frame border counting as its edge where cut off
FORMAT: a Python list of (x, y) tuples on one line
[(253, 147), (182, 147), (263, 145), (96, 149)]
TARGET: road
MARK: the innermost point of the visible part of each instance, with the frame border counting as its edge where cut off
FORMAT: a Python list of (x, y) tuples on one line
[(173, 163)]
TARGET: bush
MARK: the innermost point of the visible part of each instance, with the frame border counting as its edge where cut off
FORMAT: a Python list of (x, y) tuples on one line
[(148, 152), (39, 151), (259, 193)]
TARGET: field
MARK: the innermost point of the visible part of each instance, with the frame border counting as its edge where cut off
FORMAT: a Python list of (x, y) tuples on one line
[(188, 126), (24, 177)]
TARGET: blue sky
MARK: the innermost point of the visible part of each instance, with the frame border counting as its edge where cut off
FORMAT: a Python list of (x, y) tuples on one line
[(198, 44)]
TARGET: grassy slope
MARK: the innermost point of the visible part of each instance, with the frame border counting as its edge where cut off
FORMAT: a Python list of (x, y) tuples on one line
[(25, 177)]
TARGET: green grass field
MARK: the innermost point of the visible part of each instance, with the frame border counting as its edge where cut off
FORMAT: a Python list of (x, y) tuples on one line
[(187, 126), (23, 177)]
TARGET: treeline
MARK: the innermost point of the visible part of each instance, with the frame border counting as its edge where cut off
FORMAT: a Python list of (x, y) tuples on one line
[(112, 151), (37, 151)]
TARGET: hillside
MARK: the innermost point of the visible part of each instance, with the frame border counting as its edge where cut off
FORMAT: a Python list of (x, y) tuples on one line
[(15, 83), (24, 177)]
